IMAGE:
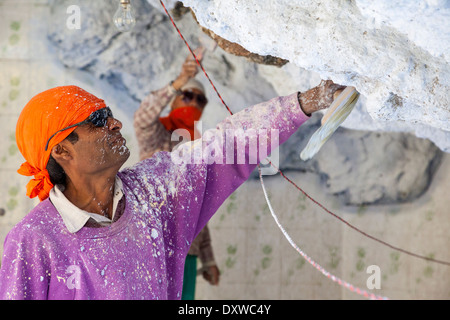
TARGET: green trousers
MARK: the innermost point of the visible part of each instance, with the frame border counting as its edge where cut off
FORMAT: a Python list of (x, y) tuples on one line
[(190, 277)]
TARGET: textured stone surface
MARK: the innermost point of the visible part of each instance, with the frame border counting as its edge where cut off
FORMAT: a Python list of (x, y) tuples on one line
[(238, 50), (382, 48), (362, 167)]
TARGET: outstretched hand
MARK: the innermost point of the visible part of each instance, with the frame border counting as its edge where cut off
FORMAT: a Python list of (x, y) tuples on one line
[(320, 97), (189, 69)]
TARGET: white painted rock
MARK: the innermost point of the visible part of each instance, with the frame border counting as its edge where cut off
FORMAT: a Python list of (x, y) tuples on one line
[(396, 53)]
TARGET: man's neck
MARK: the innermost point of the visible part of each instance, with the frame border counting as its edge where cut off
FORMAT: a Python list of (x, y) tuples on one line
[(92, 195)]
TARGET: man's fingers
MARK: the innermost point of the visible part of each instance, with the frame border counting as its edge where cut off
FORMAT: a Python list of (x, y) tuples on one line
[(190, 65), (190, 68), (199, 53)]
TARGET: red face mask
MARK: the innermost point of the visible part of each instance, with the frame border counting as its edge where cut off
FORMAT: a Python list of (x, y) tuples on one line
[(182, 118)]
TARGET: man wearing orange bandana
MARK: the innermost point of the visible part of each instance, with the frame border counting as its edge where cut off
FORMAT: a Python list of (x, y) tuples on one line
[(41, 134), (186, 98), (102, 232)]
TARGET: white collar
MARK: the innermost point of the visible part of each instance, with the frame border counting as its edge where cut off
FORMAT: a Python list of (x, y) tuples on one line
[(74, 218)]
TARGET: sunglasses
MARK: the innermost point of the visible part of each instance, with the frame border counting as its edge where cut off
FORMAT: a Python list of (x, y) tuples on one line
[(188, 96), (98, 118)]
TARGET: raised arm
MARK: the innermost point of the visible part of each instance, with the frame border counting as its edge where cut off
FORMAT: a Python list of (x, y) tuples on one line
[(225, 164), (193, 181), (150, 132)]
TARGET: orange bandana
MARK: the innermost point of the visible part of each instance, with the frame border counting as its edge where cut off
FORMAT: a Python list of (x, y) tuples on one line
[(182, 118), (45, 114)]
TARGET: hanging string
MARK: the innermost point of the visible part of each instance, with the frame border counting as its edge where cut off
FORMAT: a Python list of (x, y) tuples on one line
[(290, 181), (358, 230), (195, 57), (341, 282)]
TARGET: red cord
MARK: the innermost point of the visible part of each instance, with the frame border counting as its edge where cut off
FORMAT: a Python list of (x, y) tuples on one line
[(195, 57)]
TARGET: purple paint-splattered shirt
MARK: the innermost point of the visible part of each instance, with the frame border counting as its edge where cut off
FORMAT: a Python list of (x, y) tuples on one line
[(141, 255)]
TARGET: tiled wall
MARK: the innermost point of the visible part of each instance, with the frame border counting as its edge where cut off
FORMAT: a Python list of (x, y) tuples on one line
[(257, 262), (255, 259), (15, 84)]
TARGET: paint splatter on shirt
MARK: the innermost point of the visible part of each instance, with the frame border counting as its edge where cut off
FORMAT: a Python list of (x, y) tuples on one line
[(167, 202)]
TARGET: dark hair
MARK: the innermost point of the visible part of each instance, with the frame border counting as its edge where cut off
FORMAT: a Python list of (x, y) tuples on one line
[(55, 171)]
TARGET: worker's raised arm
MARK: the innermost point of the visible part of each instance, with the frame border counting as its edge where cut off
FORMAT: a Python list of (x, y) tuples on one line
[(150, 132), (187, 186), (224, 157), (231, 151), (180, 191)]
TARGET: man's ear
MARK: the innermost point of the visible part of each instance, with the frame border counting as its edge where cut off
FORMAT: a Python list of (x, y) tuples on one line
[(61, 153)]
